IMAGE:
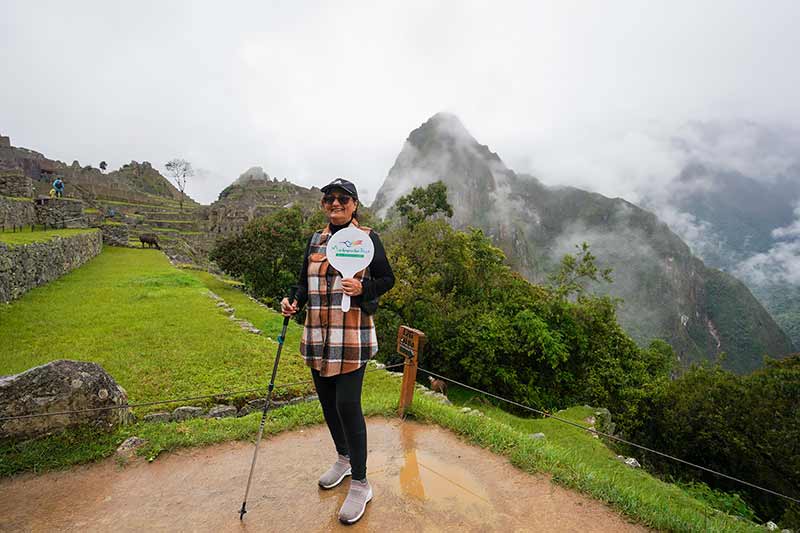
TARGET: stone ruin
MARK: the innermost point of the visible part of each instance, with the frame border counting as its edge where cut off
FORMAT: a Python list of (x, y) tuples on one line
[(60, 213), (16, 184)]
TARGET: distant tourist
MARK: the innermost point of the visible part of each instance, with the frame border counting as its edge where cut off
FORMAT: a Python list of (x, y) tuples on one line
[(337, 345), (52, 192), (58, 185)]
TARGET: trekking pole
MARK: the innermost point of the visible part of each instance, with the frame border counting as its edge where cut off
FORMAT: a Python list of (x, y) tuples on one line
[(267, 404)]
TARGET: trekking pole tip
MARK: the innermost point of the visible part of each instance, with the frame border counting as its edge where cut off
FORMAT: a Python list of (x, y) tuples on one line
[(242, 511)]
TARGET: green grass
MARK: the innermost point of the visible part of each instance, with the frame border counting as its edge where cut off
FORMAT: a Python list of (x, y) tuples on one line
[(26, 236), (112, 223), (268, 321), (150, 325), (90, 211)]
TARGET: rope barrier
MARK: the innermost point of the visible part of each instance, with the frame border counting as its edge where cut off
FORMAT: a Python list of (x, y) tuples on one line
[(175, 400), (612, 437)]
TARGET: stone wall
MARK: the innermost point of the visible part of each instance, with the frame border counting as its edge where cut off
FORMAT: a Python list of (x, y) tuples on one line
[(60, 213), (16, 213), (115, 234), (23, 267), (15, 183), (5, 141)]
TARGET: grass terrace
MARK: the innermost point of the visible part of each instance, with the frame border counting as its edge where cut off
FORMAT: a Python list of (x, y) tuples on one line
[(26, 236), (151, 326)]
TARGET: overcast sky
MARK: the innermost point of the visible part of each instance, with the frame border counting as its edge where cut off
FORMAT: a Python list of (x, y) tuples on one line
[(577, 92)]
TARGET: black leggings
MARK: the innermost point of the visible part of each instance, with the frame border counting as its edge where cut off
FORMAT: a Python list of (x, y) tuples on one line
[(340, 397)]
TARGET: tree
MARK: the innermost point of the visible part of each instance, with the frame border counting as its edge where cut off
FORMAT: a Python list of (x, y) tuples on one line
[(103, 166), (577, 270), (180, 170), (424, 202), (268, 254)]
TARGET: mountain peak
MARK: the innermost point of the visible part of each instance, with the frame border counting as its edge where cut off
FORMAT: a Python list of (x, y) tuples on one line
[(442, 149), (252, 173), (442, 127)]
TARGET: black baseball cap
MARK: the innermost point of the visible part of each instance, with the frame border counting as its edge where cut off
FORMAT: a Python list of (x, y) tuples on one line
[(341, 183)]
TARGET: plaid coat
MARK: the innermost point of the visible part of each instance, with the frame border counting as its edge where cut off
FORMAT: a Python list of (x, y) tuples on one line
[(334, 342)]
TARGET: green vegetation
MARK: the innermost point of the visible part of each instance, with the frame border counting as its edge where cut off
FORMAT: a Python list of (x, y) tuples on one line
[(26, 236), (151, 326), (154, 328), (90, 211), (782, 300), (489, 327), (726, 299), (424, 202), (112, 223), (547, 347), (268, 254), (746, 426)]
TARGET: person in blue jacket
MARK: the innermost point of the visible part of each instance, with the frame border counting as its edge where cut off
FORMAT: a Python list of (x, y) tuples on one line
[(58, 185)]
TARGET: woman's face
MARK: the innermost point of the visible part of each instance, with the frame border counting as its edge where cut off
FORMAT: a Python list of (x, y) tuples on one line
[(341, 210)]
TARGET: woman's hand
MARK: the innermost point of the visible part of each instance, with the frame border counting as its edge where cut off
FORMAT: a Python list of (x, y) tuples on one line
[(288, 309), (352, 287)]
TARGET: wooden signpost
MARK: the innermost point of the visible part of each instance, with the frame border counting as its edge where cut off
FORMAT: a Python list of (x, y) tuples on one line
[(410, 343)]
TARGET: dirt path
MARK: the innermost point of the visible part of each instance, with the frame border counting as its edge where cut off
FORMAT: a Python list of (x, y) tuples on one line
[(424, 479)]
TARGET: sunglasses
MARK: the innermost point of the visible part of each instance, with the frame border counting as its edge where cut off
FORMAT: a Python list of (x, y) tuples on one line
[(343, 199)]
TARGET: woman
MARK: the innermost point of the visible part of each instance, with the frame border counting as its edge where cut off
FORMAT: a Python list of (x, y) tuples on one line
[(337, 345)]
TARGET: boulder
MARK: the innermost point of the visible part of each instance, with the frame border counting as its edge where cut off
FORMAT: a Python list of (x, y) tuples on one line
[(258, 405), (128, 447), (158, 417), (536, 436), (186, 412), (221, 411), (633, 463), (59, 386)]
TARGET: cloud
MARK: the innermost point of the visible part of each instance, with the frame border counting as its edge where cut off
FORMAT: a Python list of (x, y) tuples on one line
[(792, 230), (780, 264), (313, 90)]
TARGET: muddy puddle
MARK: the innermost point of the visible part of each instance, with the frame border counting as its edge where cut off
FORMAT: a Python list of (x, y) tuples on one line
[(423, 477)]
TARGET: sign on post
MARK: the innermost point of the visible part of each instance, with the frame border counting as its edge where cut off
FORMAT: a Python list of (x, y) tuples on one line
[(410, 343), (349, 251)]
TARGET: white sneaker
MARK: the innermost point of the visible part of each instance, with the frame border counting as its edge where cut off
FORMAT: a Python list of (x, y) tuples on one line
[(335, 473), (356, 502)]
